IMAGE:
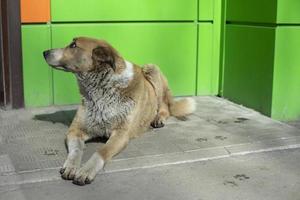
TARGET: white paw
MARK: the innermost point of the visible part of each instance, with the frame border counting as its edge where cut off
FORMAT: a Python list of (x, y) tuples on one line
[(88, 172), (71, 165)]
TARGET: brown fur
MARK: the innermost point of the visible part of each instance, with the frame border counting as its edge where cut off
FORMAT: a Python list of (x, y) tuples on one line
[(148, 88)]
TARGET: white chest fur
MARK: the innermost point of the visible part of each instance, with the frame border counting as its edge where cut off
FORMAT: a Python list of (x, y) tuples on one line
[(122, 80), (105, 113), (105, 107)]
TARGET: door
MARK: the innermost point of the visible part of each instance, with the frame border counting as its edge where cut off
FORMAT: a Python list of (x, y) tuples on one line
[(11, 81)]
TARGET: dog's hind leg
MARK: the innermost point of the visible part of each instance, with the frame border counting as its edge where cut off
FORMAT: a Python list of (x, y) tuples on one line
[(117, 141), (160, 85), (161, 116), (75, 143)]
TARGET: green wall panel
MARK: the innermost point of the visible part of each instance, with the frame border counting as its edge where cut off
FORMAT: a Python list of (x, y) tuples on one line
[(248, 66), (206, 10), (170, 45), (262, 11), (205, 59), (288, 11), (36, 73), (123, 10), (218, 44), (286, 89)]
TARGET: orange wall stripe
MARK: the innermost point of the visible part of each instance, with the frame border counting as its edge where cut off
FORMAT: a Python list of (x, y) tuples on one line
[(35, 11)]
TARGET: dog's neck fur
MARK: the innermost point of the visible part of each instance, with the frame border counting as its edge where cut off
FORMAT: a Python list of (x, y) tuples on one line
[(104, 105)]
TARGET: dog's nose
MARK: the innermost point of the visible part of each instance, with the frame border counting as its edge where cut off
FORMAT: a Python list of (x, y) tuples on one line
[(46, 53)]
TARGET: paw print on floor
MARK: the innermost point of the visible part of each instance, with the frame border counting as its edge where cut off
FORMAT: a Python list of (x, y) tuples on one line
[(230, 183), (228, 121), (201, 139), (217, 121), (219, 137), (241, 177), (241, 120), (51, 152)]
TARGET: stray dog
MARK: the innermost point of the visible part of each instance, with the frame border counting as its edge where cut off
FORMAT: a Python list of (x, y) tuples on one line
[(120, 101)]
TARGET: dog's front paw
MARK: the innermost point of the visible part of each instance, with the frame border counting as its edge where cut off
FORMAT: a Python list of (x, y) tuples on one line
[(71, 165), (68, 172), (88, 172), (157, 123)]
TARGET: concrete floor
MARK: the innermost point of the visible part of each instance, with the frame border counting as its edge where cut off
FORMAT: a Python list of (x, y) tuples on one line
[(223, 151), (295, 123)]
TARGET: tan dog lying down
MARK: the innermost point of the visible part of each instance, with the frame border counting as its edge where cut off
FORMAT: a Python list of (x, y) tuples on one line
[(119, 101)]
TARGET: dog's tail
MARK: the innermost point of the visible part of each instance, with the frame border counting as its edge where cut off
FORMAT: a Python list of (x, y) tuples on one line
[(182, 107)]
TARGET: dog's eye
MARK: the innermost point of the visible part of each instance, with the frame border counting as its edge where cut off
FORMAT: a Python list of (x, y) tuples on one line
[(72, 45)]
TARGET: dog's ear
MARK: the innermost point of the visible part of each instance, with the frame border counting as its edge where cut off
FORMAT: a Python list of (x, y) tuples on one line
[(103, 55)]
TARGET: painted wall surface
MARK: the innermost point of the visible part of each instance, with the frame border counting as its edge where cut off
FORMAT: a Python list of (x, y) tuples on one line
[(210, 30), (35, 11), (206, 9), (248, 66), (249, 53), (37, 75), (257, 52), (258, 11), (171, 45), (205, 59), (179, 36), (288, 11), (125, 10), (263, 73), (286, 88)]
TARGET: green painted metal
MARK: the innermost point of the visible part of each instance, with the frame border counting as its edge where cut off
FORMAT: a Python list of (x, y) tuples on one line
[(221, 27), (37, 74), (170, 45), (177, 41), (248, 66), (256, 73), (210, 48), (206, 10), (257, 11), (286, 88), (123, 10), (205, 59), (218, 34), (288, 11)]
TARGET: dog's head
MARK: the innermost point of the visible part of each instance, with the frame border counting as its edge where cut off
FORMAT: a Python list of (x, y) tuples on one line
[(84, 55)]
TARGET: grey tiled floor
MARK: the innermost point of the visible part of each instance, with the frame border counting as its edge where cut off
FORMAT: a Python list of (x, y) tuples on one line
[(33, 139)]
